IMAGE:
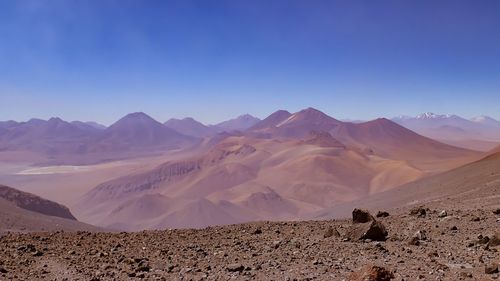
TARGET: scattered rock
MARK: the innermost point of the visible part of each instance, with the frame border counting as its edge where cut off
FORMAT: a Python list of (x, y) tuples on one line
[(257, 231), (417, 237), (382, 214), (496, 211), (442, 214), (372, 273)]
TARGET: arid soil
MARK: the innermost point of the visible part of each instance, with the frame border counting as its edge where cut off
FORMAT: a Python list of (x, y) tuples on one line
[(440, 245)]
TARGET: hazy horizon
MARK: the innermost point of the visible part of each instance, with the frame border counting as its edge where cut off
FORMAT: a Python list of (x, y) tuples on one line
[(99, 60)]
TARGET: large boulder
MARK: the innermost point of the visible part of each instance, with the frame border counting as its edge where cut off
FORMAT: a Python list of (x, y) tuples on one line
[(365, 226)]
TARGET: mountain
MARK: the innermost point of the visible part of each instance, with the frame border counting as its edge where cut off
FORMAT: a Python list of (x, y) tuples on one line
[(486, 121), (272, 120), (190, 127), (90, 124), (296, 125), (479, 132), (388, 139), (21, 211), (139, 131), (239, 123), (50, 137)]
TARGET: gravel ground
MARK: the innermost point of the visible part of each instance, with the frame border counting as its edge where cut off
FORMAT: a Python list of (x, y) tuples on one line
[(450, 245)]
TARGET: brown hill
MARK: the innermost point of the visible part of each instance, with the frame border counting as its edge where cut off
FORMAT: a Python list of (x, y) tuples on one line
[(472, 186), (242, 179), (21, 211), (34, 203)]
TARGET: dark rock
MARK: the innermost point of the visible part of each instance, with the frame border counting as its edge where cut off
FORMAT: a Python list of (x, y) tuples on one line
[(382, 214), (3, 270), (418, 211), (361, 216), (235, 267), (491, 269), (497, 211), (257, 231), (372, 230)]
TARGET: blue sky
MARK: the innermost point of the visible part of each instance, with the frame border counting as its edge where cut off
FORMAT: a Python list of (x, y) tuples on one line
[(213, 60)]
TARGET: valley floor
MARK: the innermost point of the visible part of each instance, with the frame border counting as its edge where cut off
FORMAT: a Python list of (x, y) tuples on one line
[(452, 250)]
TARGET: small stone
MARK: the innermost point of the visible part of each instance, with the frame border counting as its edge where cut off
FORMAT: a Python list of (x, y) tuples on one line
[(236, 267), (382, 214), (38, 254), (442, 214), (3, 270), (454, 228), (331, 232), (418, 211), (496, 211), (257, 231)]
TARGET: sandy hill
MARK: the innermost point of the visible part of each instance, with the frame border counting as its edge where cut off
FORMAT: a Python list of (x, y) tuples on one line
[(243, 179), (472, 186), (21, 211), (190, 127)]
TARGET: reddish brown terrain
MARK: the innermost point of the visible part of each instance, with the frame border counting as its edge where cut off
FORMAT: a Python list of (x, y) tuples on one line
[(442, 203)]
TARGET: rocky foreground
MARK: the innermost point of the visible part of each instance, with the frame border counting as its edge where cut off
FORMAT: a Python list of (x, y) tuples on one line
[(414, 244)]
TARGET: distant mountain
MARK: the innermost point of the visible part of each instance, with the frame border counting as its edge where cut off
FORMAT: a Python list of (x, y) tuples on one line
[(389, 139), (52, 137), (486, 121), (239, 123), (190, 127), (296, 125), (272, 120), (92, 124), (139, 131), (453, 128)]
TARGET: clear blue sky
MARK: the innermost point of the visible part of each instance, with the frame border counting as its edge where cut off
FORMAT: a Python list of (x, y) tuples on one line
[(213, 60)]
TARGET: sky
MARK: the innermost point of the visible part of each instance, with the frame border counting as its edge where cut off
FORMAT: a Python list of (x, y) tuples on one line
[(214, 60)]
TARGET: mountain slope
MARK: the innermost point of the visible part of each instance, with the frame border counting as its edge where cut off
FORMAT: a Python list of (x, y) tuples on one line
[(472, 186), (34, 203), (21, 211)]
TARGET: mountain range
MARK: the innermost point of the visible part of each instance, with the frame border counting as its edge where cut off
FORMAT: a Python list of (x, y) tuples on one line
[(480, 133), (287, 166)]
